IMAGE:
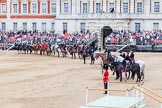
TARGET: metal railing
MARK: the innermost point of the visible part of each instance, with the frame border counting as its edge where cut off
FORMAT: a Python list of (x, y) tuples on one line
[(138, 91), (92, 39), (143, 91)]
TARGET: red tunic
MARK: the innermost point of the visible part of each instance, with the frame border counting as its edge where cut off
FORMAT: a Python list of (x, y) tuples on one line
[(42, 45), (3, 45), (46, 44), (106, 76)]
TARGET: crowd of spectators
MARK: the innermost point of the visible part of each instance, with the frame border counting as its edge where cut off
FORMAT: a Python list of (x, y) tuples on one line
[(135, 38), (51, 37), (118, 37)]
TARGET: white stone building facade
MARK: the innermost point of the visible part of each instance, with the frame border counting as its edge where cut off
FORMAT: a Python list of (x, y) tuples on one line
[(80, 15)]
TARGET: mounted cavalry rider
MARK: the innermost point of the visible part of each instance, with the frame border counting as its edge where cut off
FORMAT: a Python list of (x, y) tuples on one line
[(84, 52), (126, 62), (108, 53), (132, 57), (92, 55)]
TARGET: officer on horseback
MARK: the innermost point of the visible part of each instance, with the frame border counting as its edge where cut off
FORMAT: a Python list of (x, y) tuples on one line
[(108, 53), (126, 62), (132, 57), (92, 55)]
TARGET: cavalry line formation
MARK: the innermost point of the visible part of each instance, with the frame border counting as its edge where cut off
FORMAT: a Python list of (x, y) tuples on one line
[(83, 51)]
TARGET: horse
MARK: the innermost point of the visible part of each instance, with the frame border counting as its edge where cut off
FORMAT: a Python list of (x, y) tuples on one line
[(80, 52), (42, 50), (117, 67), (63, 51), (35, 48), (29, 48), (104, 62), (135, 69), (142, 68), (92, 55), (139, 62), (19, 48), (56, 48), (72, 50), (48, 51), (85, 53)]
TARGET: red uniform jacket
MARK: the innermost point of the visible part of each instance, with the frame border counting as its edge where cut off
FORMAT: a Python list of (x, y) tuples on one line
[(3, 45), (46, 44), (106, 76), (42, 45)]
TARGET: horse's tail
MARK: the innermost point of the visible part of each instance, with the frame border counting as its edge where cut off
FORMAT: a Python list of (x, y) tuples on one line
[(143, 71), (142, 67)]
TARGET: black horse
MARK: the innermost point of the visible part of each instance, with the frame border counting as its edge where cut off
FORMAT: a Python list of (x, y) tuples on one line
[(85, 54), (19, 47), (135, 69), (91, 53), (29, 48), (117, 68), (72, 51)]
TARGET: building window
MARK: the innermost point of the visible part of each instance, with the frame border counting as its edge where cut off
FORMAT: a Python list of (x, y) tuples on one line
[(15, 26), (14, 8), (24, 26), (82, 27), (125, 7), (85, 8), (24, 8), (34, 8), (98, 8), (139, 7), (111, 7), (66, 8), (64, 27), (44, 28), (44, 8), (53, 7), (3, 27), (52, 26), (155, 26), (137, 27), (3, 8), (156, 7), (34, 26)]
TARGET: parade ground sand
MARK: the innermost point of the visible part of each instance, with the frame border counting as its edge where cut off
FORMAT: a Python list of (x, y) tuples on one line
[(34, 81)]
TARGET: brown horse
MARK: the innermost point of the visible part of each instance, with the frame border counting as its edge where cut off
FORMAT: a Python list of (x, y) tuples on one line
[(104, 62), (48, 51), (80, 52), (42, 50), (36, 48)]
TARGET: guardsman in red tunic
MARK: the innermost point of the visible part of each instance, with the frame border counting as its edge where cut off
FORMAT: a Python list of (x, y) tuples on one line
[(46, 45), (106, 79), (3, 46), (43, 45)]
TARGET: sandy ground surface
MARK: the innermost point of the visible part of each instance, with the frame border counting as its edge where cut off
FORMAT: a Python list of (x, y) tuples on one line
[(34, 81)]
